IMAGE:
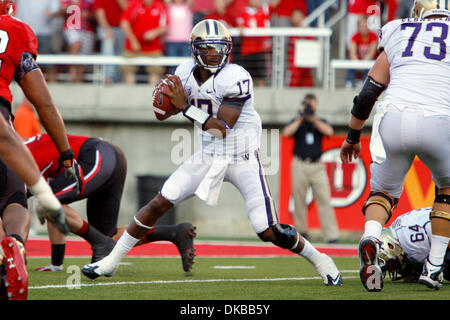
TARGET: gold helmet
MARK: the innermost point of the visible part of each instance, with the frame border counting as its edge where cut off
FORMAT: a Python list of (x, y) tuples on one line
[(426, 8), (210, 38), (391, 255)]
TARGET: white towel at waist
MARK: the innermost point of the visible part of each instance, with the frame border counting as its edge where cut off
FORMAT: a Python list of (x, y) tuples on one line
[(209, 188), (376, 143)]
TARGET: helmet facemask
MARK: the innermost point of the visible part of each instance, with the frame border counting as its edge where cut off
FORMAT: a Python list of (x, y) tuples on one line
[(211, 54)]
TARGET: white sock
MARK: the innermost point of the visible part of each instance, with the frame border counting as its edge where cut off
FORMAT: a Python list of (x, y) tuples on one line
[(310, 253), (372, 228), (438, 248), (122, 247)]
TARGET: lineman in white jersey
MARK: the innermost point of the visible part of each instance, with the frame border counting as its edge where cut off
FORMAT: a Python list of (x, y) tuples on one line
[(218, 98), (406, 245), (413, 120)]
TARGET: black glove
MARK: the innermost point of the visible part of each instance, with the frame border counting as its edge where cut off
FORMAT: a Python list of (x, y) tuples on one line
[(72, 172)]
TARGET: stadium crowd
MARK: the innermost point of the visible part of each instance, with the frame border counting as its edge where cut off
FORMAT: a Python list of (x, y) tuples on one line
[(156, 28)]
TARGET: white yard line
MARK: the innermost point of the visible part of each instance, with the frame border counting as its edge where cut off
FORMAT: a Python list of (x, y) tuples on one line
[(121, 283)]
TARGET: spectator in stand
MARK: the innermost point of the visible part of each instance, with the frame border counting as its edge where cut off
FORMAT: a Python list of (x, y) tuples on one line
[(78, 32), (363, 47), (298, 77), (178, 36), (144, 23), (358, 8), (282, 14), (110, 33), (234, 8), (404, 9), (39, 15), (26, 121), (254, 50), (221, 13), (201, 8)]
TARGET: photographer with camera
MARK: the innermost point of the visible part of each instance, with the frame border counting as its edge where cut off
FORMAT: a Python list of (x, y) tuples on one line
[(307, 170)]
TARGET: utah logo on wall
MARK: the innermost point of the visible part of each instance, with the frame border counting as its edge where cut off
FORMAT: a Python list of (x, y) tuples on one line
[(350, 186)]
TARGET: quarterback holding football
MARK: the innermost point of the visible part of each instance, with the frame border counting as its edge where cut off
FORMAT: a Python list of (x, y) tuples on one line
[(217, 97)]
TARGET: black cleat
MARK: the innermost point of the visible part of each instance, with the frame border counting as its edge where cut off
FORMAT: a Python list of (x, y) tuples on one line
[(101, 251), (184, 240)]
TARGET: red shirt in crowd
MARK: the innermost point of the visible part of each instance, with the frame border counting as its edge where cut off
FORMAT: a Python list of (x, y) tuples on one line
[(361, 6), (251, 17), (113, 11), (392, 9), (224, 18), (234, 9), (46, 154), (285, 7), (143, 18), (15, 38), (76, 18), (363, 44)]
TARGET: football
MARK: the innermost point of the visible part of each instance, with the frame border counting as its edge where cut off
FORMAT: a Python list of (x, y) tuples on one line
[(162, 106)]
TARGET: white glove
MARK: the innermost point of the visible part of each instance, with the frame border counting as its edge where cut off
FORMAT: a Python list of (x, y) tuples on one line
[(47, 206)]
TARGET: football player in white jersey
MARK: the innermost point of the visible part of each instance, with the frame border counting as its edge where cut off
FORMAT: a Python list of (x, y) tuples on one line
[(412, 120), (217, 97), (405, 246)]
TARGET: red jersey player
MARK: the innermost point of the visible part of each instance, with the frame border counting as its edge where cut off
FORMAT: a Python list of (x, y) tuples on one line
[(103, 169), (18, 51)]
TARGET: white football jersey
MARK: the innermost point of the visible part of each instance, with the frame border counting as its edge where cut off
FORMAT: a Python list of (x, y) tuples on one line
[(418, 51), (232, 83), (413, 230)]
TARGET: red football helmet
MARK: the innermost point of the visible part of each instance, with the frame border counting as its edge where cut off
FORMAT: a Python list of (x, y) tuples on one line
[(5, 6)]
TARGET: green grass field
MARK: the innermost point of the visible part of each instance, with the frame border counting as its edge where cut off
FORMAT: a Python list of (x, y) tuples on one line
[(280, 278)]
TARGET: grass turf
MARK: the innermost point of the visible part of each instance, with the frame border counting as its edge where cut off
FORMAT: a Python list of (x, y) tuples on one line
[(279, 278)]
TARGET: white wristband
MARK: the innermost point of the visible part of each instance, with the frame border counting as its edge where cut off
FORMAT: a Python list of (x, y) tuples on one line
[(42, 191), (196, 114)]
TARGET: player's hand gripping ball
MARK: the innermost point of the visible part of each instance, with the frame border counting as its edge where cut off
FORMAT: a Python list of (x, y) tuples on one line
[(162, 106)]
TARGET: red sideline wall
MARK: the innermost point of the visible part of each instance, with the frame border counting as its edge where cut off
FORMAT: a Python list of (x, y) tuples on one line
[(350, 185)]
